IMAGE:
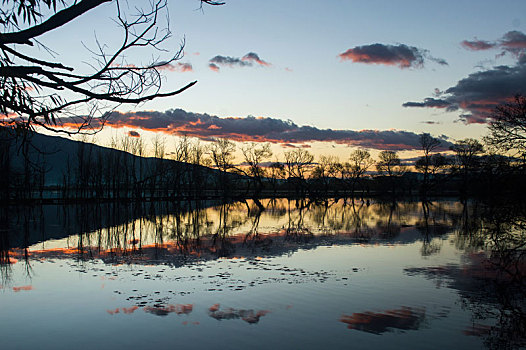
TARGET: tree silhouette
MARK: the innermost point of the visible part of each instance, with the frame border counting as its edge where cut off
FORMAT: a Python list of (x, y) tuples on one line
[(508, 127), (34, 87), (389, 164), (326, 171), (222, 154), (424, 163), (467, 153), (359, 162), (254, 155), (298, 163)]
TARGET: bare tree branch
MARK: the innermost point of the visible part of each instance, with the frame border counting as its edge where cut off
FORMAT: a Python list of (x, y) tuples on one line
[(34, 88), (57, 20)]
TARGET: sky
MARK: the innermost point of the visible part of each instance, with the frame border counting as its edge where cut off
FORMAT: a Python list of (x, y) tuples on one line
[(328, 75)]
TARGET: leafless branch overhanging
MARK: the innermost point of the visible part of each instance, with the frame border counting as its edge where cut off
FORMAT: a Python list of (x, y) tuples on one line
[(46, 92)]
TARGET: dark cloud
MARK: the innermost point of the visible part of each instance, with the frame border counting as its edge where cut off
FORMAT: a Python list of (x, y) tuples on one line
[(428, 102), (261, 129), (513, 42), (478, 94), (213, 67), (440, 61), (229, 61), (174, 67), (133, 133), (478, 45), (253, 57), (396, 55), (246, 61)]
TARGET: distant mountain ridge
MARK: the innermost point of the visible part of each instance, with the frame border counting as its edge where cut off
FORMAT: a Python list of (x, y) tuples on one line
[(60, 157)]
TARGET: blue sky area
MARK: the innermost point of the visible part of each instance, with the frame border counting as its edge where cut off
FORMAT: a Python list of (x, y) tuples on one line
[(341, 65)]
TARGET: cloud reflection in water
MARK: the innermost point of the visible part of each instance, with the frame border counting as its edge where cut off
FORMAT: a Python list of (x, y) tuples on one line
[(405, 318)]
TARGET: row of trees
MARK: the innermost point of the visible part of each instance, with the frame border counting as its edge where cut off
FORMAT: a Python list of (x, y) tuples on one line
[(183, 168), (192, 169), (96, 172)]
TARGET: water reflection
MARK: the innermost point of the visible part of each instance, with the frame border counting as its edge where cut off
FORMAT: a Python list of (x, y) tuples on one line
[(405, 318), (160, 310), (161, 231), (228, 248), (249, 316), (22, 288), (490, 282), (125, 310)]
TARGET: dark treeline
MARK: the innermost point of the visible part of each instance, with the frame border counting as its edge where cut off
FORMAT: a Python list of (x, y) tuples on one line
[(188, 169), (92, 172), (32, 169)]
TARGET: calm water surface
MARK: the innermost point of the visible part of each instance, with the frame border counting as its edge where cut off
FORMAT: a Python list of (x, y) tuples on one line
[(300, 275)]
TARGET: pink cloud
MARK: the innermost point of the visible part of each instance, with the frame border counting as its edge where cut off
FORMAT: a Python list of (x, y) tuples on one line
[(177, 67)]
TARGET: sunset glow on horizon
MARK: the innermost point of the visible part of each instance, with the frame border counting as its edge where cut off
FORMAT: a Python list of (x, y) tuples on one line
[(311, 73)]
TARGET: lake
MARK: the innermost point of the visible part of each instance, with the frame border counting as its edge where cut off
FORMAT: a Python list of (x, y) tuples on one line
[(301, 274)]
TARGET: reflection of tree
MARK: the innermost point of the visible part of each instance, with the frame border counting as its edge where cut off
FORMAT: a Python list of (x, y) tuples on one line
[(492, 282), (276, 208), (321, 215), (389, 218), (430, 227), (296, 229), (181, 232), (468, 224), (187, 227), (336, 216), (24, 220), (358, 220), (252, 237), (228, 220), (498, 292), (5, 265)]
